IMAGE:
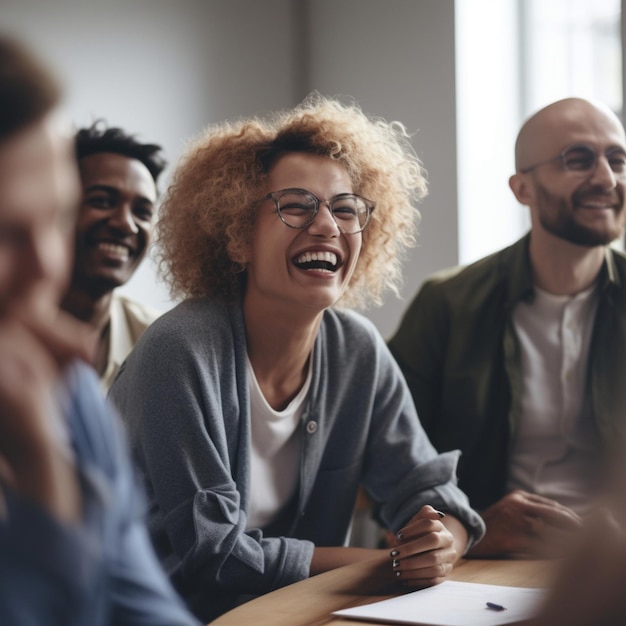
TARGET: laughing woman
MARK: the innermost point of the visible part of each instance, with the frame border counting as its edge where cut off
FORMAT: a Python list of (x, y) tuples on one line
[(259, 404)]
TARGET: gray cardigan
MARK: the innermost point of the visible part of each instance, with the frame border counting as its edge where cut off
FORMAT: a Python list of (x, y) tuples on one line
[(184, 394)]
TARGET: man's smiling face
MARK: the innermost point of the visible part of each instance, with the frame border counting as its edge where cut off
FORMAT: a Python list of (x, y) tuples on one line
[(584, 202), (115, 221)]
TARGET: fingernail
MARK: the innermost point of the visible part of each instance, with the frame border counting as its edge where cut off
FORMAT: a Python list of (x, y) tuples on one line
[(394, 553), (441, 514), (395, 563), (399, 536), (398, 574)]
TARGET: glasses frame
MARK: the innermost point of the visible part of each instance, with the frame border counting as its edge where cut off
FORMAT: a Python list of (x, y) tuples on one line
[(590, 171), (275, 196)]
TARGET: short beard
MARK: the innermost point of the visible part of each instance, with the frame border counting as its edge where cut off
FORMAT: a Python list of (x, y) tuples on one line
[(563, 225)]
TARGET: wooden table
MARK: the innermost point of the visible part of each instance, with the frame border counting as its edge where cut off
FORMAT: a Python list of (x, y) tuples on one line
[(310, 602)]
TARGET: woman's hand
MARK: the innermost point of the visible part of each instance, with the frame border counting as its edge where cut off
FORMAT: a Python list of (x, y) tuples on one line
[(427, 548)]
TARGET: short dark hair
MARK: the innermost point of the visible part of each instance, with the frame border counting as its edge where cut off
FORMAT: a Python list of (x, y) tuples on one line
[(28, 90), (98, 138)]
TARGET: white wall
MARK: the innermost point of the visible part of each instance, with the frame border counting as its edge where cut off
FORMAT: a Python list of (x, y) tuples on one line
[(397, 59), (166, 68)]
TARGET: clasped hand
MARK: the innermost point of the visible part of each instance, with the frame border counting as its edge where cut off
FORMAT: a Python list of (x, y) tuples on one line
[(424, 551), (527, 525)]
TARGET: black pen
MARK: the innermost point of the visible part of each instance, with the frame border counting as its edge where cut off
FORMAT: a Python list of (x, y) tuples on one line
[(495, 607)]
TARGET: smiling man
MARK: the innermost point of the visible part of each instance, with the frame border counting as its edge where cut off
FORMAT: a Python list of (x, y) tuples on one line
[(118, 176), (519, 359)]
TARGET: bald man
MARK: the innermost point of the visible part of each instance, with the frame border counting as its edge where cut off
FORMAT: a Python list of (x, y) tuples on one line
[(519, 359)]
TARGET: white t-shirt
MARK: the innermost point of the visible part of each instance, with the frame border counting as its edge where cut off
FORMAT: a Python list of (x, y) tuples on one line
[(554, 448), (275, 453)]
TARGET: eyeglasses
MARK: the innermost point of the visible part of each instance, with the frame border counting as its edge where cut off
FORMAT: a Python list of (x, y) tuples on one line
[(297, 208), (583, 160)]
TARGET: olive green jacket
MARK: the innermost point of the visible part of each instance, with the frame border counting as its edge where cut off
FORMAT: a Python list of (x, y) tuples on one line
[(459, 353)]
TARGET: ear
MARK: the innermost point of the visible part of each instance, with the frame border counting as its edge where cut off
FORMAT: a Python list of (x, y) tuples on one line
[(521, 188)]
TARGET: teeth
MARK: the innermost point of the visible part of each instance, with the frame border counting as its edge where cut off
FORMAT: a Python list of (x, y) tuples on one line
[(598, 203), (307, 257), (114, 249), (596, 207)]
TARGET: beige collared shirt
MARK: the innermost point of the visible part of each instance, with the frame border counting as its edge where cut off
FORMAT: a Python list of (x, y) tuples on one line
[(129, 320)]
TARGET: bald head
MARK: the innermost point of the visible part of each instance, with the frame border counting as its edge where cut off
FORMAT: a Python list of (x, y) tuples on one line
[(580, 199), (562, 124)]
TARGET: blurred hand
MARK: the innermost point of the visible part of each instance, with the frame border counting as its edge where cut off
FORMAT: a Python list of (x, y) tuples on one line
[(35, 347), (527, 525), (590, 588)]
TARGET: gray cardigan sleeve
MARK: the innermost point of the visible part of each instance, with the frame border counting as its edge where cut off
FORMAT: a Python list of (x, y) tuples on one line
[(402, 471)]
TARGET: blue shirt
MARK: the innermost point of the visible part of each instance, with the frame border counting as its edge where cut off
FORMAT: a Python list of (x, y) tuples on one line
[(103, 571)]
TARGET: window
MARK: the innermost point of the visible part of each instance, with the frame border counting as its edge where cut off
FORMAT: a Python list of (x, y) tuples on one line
[(513, 57), (571, 47)]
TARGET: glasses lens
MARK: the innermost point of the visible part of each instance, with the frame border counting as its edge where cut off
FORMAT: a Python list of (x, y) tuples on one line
[(297, 208), (579, 159), (617, 161), (350, 212)]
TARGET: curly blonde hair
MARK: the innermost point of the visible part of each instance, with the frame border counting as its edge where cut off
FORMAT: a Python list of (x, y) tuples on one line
[(207, 216)]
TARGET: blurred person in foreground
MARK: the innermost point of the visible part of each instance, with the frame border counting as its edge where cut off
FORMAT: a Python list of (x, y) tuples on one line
[(73, 548), (519, 358), (589, 585), (258, 406), (116, 215)]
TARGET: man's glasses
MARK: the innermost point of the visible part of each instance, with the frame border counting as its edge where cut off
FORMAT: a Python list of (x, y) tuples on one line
[(297, 208), (583, 160)]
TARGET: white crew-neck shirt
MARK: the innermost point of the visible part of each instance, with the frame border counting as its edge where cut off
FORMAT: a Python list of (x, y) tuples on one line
[(275, 452), (555, 446)]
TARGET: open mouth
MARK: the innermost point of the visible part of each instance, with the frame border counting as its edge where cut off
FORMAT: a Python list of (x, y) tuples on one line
[(320, 261)]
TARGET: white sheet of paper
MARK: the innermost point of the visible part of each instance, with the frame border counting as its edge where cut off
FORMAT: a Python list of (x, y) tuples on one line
[(453, 604)]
